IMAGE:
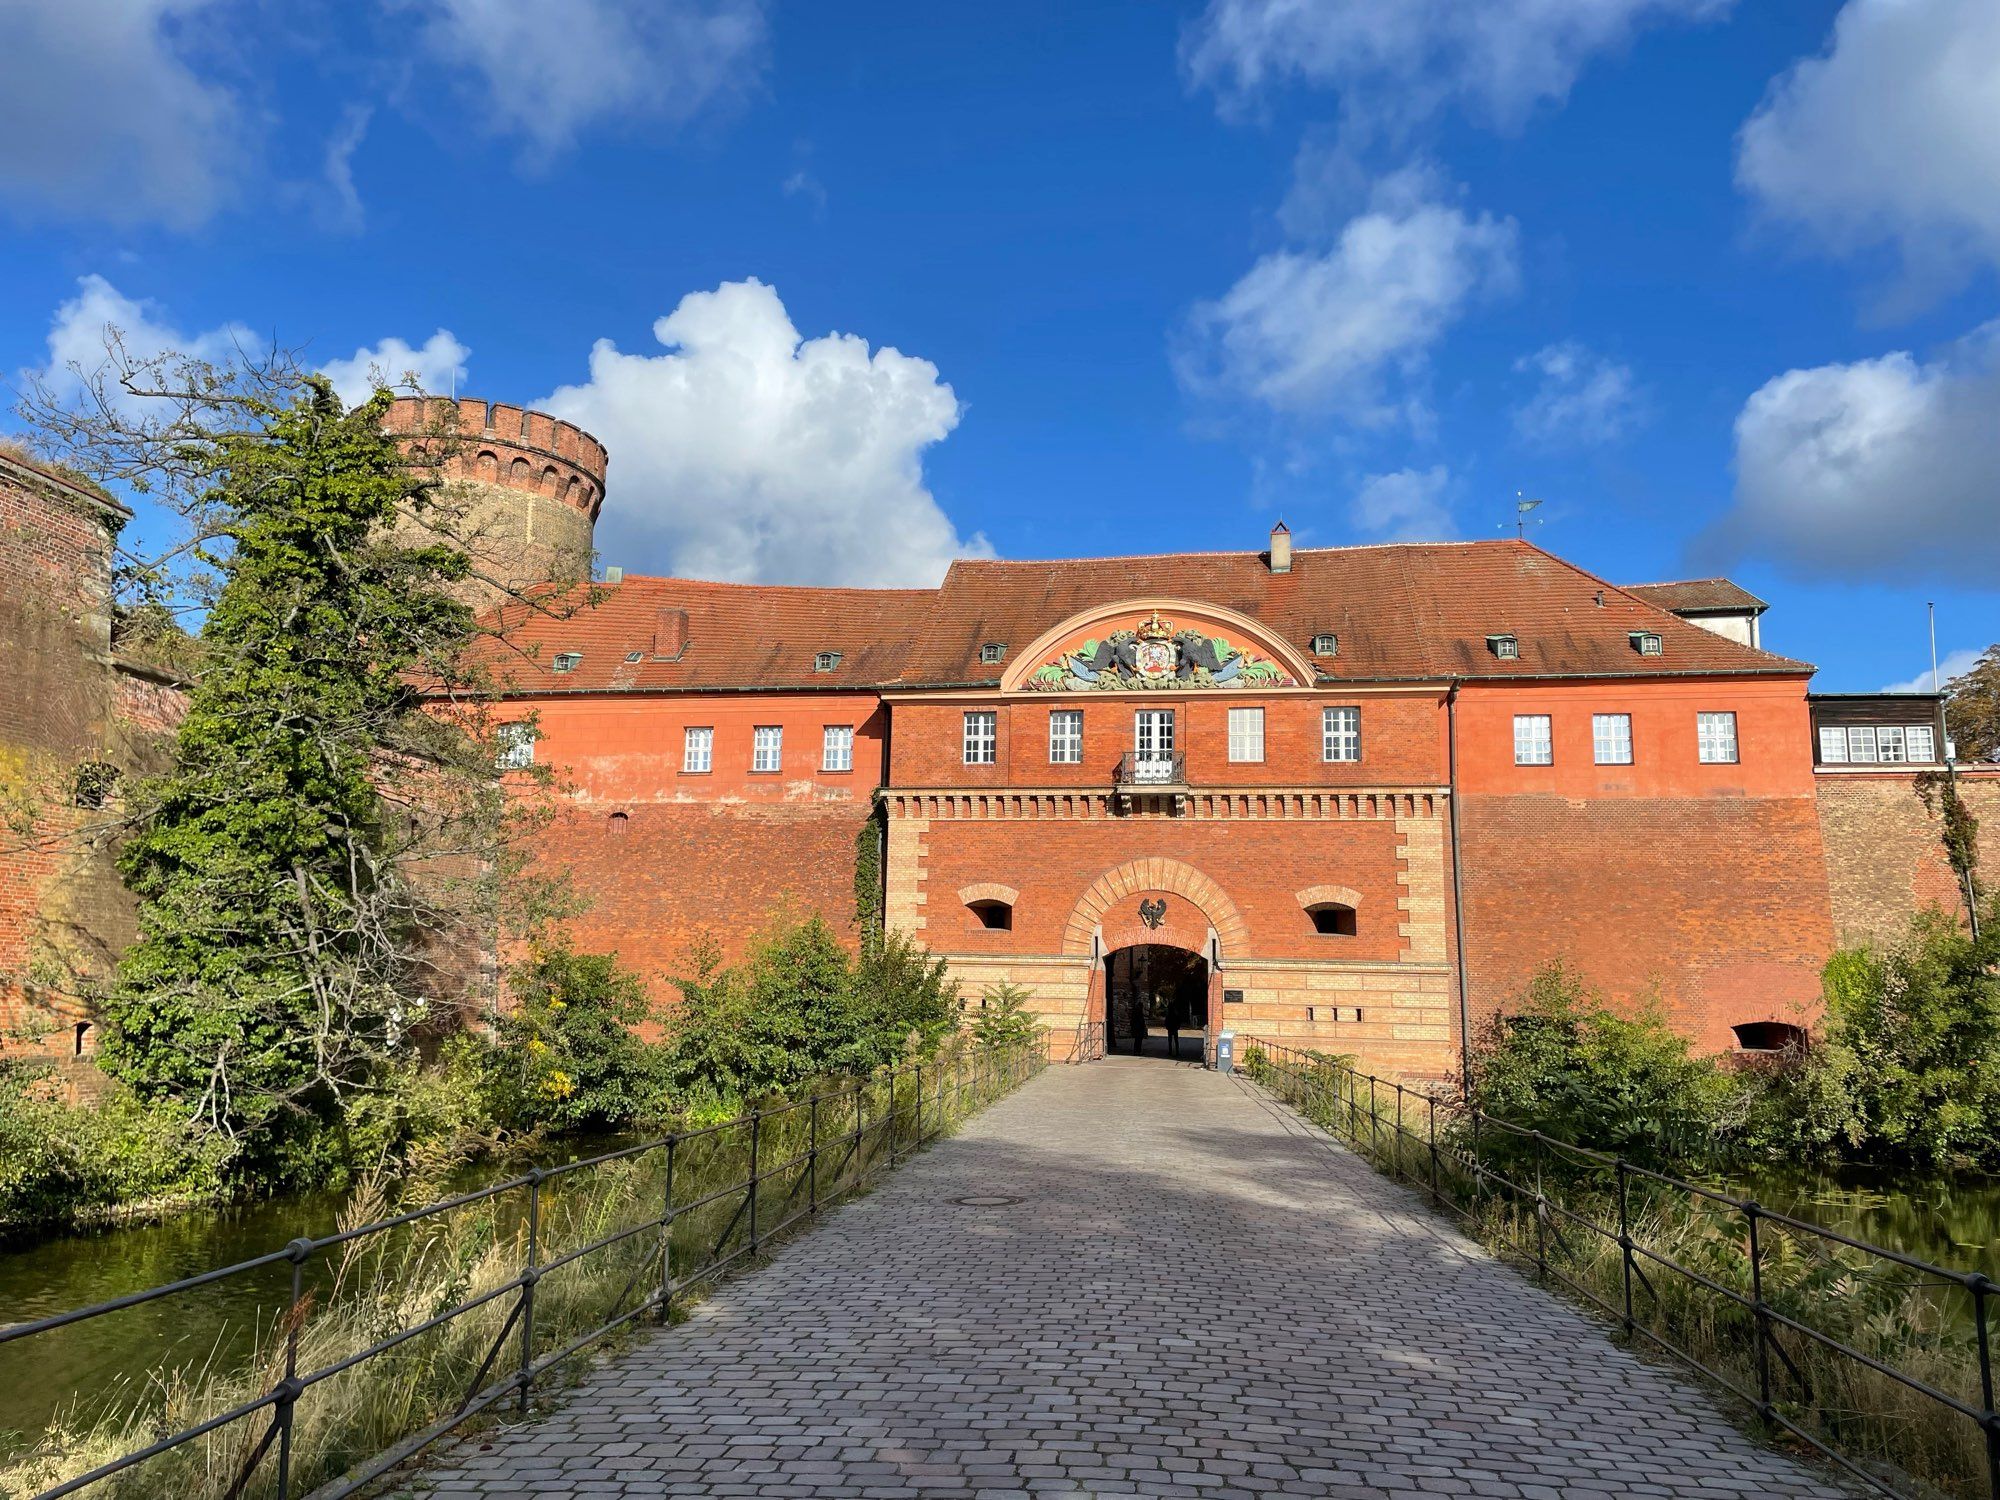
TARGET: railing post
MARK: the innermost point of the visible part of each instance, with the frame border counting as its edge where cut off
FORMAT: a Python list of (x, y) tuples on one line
[(667, 1235), (1625, 1236), (288, 1388), (1982, 1290), (812, 1154), (1396, 1136), (1752, 1212), (1541, 1211), (860, 1152), (530, 1274), (1374, 1122), (756, 1130), (1431, 1130)]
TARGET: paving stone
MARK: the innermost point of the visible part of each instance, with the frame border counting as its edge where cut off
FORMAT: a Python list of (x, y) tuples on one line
[(1197, 1294)]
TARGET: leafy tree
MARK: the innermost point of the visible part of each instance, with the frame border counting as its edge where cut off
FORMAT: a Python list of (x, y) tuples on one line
[(1972, 708), (1564, 1062), (902, 1003)]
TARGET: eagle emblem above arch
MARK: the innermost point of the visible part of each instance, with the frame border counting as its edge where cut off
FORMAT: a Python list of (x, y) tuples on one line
[(1142, 644)]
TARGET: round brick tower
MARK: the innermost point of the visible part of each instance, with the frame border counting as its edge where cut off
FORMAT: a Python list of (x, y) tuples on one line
[(523, 489)]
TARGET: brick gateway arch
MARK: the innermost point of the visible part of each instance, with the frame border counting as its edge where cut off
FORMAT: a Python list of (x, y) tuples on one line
[(1154, 902)]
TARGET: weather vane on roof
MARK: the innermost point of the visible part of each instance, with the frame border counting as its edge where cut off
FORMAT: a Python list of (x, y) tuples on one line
[(1522, 505)]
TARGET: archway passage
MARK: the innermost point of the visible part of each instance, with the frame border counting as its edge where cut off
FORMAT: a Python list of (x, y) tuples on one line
[(1157, 1002)]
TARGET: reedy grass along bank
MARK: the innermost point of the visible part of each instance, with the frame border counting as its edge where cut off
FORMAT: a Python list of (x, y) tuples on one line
[(377, 1287), (1560, 1218)]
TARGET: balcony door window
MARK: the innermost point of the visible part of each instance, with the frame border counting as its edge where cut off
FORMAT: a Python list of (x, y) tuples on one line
[(1153, 740)]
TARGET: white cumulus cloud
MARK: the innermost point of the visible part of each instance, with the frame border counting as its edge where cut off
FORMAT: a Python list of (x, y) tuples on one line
[(1402, 59), (437, 366), (81, 330), (1890, 136), (1953, 664), (1579, 398), (745, 452), (1409, 505), (102, 116), (1881, 467), (1344, 329), (547, 73)]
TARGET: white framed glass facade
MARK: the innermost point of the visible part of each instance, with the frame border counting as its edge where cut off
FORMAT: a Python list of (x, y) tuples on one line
[(767, 747)]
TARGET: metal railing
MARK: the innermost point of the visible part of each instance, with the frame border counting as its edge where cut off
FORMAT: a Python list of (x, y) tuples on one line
[(1136, 772), (1470, 1163), (1087, 1045), (826, 1146)]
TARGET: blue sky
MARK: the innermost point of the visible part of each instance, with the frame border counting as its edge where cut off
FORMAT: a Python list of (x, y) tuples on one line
[(1711, 279)]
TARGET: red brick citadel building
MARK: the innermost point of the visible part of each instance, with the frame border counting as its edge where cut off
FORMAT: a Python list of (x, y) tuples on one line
[(1355, 796), (1352, 796)]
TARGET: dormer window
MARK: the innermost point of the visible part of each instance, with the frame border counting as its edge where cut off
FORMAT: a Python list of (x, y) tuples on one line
[(566, 661), (1647, 643), (1326, 645), (991, 652), (826, 661), (1506, 647)]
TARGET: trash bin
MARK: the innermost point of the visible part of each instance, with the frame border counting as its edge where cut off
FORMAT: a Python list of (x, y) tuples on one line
[(1225, 1051)]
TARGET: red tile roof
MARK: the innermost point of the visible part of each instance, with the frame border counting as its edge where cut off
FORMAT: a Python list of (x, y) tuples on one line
[(737, 635), (1699, 596), (1417, 611), (1401, 611)]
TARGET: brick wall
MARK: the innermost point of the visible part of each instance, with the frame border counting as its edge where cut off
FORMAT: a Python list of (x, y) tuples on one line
[(64, 913), (1718, 905), (1883, 858)]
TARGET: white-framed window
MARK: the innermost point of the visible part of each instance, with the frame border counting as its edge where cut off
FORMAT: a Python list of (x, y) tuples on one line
[(1889, 743), (1153, 736), (516, 744), (1534, 740), (698, 748), (1066, 737), (981, 736), (1246, 734), (1340, 734), (1833, 747), (837, 748), (1923, 744), (1716, 736), (767, 747), (1611, 739)]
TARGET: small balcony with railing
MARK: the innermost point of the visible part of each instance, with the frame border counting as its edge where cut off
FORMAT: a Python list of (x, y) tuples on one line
[(1150, 781)]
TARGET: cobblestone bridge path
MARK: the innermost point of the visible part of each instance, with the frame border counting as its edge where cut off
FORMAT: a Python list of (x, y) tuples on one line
[(1193, 1293)]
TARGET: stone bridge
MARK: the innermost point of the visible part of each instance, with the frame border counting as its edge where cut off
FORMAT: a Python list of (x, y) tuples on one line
[(1131, 1278)]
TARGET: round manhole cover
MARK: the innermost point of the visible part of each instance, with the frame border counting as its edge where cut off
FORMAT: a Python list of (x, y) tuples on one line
[(986, 1200)]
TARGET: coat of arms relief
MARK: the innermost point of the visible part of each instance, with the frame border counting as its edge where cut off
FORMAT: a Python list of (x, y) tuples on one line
[(1156, 655)]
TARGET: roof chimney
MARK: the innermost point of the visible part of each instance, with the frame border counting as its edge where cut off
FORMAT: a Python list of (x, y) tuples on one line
[(1281, 548), (670, 634)]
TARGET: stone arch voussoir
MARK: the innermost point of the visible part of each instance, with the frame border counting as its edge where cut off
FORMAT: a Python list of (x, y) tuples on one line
[(1154, 874), (1329, 895)]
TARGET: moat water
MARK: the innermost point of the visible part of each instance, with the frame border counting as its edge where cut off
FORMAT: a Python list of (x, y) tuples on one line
[(1952, 1221)]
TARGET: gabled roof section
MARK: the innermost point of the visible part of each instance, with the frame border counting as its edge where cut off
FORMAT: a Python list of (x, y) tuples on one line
[(1699, 596), (693, 635), (1421, 611)]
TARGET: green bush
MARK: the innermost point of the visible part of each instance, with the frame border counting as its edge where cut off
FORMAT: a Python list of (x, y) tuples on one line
[(1004, 1019), (59, 1160), (1907, 1066), (566, 1056), (1563, 1062)]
